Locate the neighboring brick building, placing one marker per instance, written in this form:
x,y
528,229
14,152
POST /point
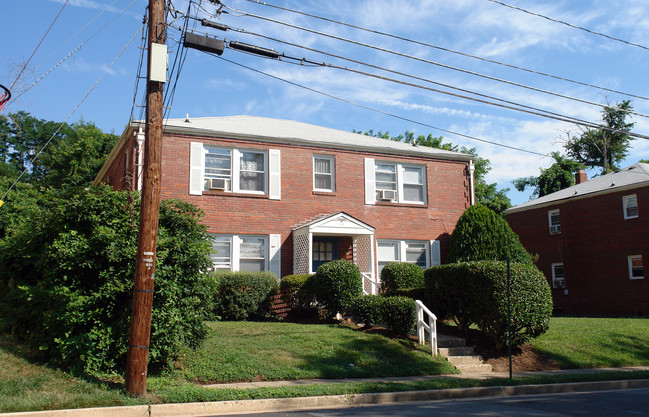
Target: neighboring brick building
x,y
591,240
287,196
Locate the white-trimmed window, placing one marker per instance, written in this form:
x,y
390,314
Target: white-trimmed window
x,y
324,173
234,170
554,221
558,276
246,253
394,182
636,268
412,251
630,204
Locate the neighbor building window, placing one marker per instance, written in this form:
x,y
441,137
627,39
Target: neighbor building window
x,y
554,221
411,251
558,276
323,173
636,268
399,182
630,204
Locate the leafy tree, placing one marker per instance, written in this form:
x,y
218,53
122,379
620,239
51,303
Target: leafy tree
x,y
482,235
72,157
485,193
558,176
604,148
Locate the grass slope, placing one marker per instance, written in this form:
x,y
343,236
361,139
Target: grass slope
x,y
252,351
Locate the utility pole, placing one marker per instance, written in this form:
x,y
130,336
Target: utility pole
x,y
138,350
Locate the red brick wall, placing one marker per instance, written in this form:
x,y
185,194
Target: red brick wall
x,y
227,213
593,245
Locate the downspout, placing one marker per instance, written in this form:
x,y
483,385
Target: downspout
x,y
140,158
471,182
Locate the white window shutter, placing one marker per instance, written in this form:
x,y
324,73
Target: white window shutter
x,y
370,189
274,174
435,253
274,254
196,168
236,252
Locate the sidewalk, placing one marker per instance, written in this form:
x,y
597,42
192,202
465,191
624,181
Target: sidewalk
x,y
351,400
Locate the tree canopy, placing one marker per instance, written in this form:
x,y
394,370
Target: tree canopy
x,y
485,193
604,148
560,175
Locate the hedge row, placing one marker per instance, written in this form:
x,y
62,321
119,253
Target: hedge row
x,y
398,313
242,295
476,292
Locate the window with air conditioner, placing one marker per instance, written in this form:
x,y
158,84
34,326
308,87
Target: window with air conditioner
x,y
558,276
234,170
630,205
554,221
394,182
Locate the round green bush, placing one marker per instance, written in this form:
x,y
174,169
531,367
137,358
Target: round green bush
x,y
399,314
482,235
476,292
400,275
367,309
337,283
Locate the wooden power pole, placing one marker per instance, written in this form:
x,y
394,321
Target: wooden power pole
x,y
138,350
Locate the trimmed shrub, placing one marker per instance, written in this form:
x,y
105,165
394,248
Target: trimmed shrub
x,y
418,293
337,283
398,275
482,235
399,314
476,292
298,292
244,295
368,309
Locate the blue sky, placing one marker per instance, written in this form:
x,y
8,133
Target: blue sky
x,y
209,86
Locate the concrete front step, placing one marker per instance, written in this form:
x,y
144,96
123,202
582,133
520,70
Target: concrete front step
x,y
482,367
464,360
456,351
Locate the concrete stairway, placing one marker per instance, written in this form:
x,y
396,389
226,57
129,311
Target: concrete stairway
x,y
455,350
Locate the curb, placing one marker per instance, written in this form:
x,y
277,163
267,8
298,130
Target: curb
x,y
333,401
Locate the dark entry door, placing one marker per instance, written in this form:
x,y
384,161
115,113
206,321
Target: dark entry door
x,y
325,249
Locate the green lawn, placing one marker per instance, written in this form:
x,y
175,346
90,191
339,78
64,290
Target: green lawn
x,y
596,342
236,351
249,351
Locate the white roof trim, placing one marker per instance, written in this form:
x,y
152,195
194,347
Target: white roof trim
x,y
338,224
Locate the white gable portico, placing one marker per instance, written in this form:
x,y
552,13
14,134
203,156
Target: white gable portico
x,y
323,239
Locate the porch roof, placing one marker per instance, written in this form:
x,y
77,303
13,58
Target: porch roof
x,y
337,224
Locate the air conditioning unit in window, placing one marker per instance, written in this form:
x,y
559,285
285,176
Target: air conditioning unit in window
x,y
219,183
559,283
387,195
555,229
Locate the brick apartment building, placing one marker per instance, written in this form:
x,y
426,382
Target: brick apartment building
x,y
287,196
591,239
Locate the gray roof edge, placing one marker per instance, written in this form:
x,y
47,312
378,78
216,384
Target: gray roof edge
x,y
420,151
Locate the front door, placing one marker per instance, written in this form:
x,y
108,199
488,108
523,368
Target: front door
x,y
325,249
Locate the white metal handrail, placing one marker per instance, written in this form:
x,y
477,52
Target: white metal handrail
x,y
423,327
374,287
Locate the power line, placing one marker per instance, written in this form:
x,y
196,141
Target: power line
x,y
39,44
379,111
411,56
448,50
569,24
31,162
73,51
